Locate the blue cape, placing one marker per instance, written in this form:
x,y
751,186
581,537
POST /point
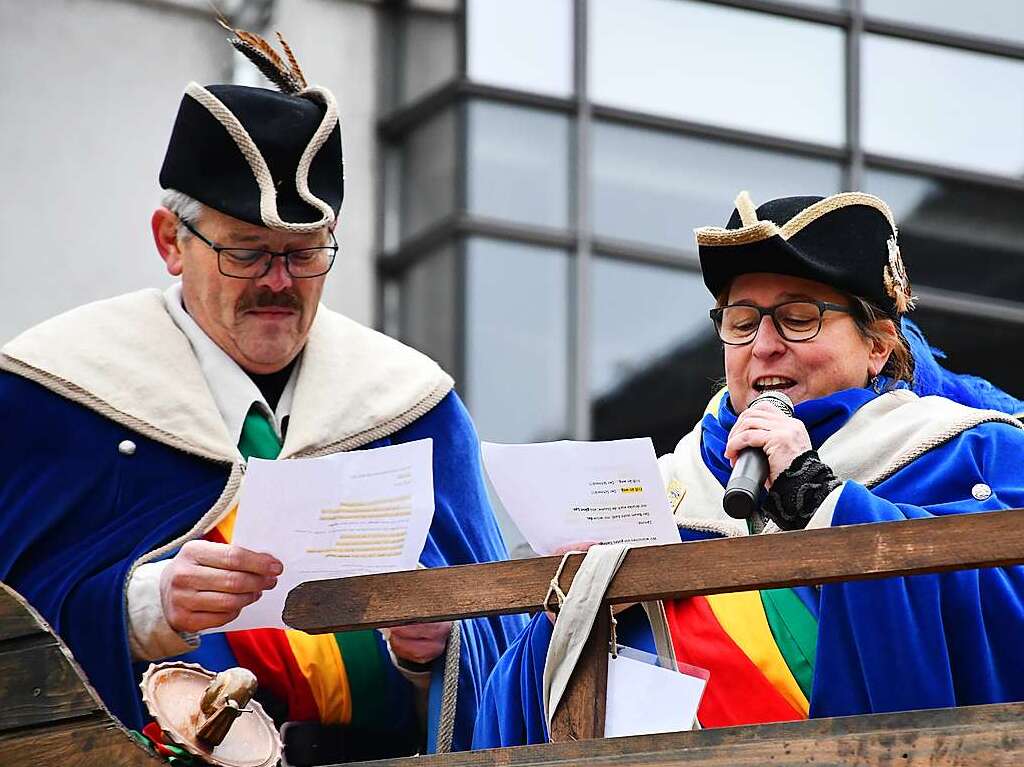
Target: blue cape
x,y
887,645
75,514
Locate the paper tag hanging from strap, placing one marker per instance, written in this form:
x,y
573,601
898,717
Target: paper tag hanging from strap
x,y
645,696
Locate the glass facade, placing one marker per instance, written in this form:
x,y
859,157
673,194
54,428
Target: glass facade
x,y
947,107
957,235
516,331
656,187
655,359
544,173
526,44
517,164
429,173
708,63
994,19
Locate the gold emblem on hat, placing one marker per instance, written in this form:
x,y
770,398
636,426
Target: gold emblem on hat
x,y
897,284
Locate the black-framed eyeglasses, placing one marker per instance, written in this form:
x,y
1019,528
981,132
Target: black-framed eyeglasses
x,y
737,324
250,263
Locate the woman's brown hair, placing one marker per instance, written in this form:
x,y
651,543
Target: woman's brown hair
x,y
867,316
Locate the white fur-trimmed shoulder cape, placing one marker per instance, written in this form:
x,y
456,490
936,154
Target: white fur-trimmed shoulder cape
x,y
125,358
881,438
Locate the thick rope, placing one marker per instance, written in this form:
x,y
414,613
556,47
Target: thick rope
x,y
323,133
449,691
554,587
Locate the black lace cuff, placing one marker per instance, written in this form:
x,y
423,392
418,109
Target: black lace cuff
x,y
798,491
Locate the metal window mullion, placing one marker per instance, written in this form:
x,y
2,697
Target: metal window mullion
x,y
942,172
854,34
972,305
713,132
461,308
788,10
579,330
945,38
462,40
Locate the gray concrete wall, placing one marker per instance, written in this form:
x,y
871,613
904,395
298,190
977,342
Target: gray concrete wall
x,y
336,42
87,100
89,93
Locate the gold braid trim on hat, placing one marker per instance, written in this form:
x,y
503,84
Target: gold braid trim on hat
x,y
894,274
716,235
746,208
813,212
751,229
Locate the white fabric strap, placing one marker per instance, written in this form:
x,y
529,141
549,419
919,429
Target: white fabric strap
x,y
658,619
576,619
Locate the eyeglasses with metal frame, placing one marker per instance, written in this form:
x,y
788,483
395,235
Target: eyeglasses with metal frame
x,y
796,321
250,263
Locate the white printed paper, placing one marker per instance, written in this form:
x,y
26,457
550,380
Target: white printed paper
x,y
644,699
561,493
365,511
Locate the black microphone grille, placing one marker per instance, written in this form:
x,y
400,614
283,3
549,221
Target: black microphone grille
x,y
776,399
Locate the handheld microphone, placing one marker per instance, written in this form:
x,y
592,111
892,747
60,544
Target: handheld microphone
x,y
751,468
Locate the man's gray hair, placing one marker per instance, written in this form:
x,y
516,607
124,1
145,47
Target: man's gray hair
x,y
186,208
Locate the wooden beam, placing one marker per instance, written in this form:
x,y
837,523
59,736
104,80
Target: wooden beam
x,y
17,619
709,567
580,714
49,714
39,686
973,736
89,742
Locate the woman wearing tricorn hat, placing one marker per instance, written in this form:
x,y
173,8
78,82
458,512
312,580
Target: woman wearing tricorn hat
x,y
811,295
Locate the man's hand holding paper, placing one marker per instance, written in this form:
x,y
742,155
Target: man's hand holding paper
x,y
207,584
344,514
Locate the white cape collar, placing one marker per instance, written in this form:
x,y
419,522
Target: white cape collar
x,y
881,438
125,358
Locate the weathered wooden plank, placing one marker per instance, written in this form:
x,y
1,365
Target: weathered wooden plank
x,y
709,567
974,736
16,618
49,713
89,742
580,714
39,685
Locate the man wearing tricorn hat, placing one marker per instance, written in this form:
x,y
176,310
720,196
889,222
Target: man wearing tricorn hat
x,y
129,422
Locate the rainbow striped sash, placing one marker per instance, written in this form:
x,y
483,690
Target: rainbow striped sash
x,y
759,648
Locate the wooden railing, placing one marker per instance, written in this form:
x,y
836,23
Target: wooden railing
x,y
48,715
983,735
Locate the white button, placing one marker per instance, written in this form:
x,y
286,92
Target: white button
x,y
127,447
981,491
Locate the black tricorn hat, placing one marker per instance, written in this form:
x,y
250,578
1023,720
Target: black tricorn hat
x,y
847,241
267,157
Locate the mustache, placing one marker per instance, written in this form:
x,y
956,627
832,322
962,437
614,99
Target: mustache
x,y
267,298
